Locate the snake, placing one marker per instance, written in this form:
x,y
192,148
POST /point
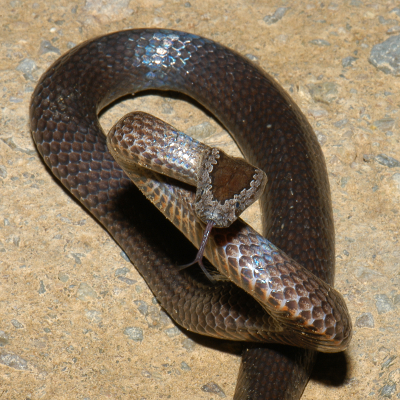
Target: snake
x,y
273,135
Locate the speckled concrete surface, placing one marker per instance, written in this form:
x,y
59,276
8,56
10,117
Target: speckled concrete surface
x,y
77,320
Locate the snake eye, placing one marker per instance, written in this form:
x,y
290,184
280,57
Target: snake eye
x,y
237,205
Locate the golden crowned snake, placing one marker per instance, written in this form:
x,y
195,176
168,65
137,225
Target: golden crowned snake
x,y
292,280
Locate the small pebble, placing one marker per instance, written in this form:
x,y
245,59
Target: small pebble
x,y
276,16
141,306
75,256
13,361
344,181
185,367
324,92
365,320
171,332
121,271
27,66
63,277
17,324
85,292
388,390
387,161
384,124
93,315
320,42
156,318
388,362
188,344
348,61
127,280
134,333
42,288
251,57
383,303
47,47
212,387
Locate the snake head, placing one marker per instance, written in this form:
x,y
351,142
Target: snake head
x,y
226,187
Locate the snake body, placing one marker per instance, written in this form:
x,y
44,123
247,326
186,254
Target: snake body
x,y
270,130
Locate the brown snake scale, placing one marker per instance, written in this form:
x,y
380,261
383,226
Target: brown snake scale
x,y
274,136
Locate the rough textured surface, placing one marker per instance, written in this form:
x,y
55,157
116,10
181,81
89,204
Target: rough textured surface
x,y
75,312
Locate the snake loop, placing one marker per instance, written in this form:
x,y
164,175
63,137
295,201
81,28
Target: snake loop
x,y
273,135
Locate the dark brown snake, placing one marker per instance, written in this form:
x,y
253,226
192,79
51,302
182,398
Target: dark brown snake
x,y
273,135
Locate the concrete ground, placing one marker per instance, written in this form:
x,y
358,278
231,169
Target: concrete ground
x,y
76,319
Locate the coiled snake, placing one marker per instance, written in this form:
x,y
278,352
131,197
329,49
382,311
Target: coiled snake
x,y
273,135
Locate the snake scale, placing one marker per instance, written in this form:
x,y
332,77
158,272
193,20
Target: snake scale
x,y
273,135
